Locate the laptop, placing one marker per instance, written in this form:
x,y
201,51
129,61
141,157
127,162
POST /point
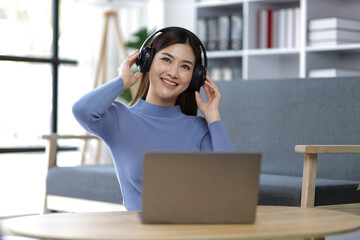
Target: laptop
x,y
200,188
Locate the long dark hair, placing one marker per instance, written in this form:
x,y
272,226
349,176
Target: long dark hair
x,y
186,100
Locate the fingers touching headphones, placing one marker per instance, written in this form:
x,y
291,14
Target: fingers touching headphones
x,y
210,107
125,72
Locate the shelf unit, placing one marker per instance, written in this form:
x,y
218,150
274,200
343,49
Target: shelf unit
x,y
274,63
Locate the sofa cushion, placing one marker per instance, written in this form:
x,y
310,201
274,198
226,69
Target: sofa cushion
x,y
93,182
272,116
286,191
99,182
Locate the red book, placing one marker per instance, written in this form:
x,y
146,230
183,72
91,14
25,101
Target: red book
x,y
269,28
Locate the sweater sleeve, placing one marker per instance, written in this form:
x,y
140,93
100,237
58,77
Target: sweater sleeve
x,y
94,110
217,139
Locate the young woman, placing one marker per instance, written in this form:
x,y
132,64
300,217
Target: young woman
x,y
162,116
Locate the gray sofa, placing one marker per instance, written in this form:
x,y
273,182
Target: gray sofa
x,y
270,117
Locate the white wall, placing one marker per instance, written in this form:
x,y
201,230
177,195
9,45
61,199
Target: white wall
x,y
180,13
153,14
163,13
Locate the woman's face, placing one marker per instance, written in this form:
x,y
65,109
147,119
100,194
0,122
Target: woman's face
x,y
170,74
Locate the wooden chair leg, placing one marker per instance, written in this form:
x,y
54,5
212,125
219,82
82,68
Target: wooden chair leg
x,y
309,180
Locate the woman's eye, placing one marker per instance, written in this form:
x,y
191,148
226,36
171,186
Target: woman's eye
x,y
186,67
165,59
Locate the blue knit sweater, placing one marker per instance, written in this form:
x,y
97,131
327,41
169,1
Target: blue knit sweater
x,y
130,132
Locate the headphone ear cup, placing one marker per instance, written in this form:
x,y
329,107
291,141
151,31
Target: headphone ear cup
x,y
198,77
143,61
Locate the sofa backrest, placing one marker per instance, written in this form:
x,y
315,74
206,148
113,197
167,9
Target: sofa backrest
x,y
272,116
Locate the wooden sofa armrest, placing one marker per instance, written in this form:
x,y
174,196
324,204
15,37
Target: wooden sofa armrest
x,y
310,163
52,148
327,149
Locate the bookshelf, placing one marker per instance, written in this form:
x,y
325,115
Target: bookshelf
x,y
294,57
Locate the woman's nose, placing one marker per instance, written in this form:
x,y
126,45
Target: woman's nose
x,y
173,71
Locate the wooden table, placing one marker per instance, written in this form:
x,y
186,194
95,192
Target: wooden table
x,y
353,208
271,223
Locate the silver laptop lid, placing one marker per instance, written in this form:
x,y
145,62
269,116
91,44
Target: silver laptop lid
x,y
200,187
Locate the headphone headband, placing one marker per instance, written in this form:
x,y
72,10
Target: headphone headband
x,y
203,50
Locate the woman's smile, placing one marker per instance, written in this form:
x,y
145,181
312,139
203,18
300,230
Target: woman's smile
x,y
169,83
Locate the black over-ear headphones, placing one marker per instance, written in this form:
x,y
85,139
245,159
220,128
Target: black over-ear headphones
x,y
147,53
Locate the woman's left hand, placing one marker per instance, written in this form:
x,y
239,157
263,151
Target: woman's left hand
x,y
209,108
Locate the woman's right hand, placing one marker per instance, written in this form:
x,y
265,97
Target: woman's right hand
x,y
125,72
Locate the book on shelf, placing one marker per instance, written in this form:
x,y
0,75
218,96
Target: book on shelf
x,y
202,30
334,34
213,35
298,27
282,25
330,43
265,28
334,23
224,32
221,33
275,29
333,72
215,73
236,32
278,28
226,73
294,16
289,32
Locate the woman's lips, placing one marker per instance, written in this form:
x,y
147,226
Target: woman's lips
x,y
169,83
